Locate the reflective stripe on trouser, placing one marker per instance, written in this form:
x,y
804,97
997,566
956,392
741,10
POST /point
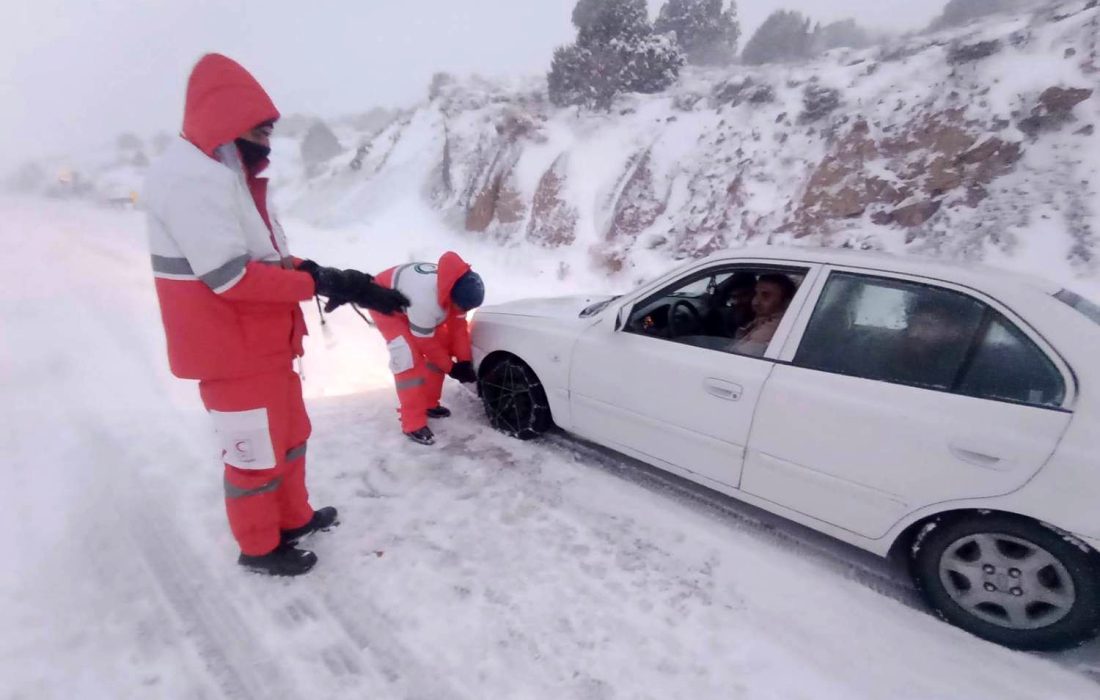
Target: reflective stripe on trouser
x,y
412,395
433,385
233,491
261,502
414,386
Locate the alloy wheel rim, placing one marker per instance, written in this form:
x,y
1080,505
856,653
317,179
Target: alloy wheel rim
x,y
1007,581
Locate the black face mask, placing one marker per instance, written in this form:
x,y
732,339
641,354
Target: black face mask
x,y
252,154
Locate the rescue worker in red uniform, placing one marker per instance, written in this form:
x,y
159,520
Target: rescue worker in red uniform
x,y
229,294
431,339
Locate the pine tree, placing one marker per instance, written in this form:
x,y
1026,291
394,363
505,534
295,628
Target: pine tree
x,y
784,36
616,51
570,76
843,34
706,30
600,21
650,64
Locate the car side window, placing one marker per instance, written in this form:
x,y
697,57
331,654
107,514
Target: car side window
x,y
928,337
1008,366
733,309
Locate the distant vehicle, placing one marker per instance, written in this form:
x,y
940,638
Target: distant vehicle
x,y
945,414
69,183
121,198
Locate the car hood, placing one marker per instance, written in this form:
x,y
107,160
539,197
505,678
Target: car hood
x,y
564,308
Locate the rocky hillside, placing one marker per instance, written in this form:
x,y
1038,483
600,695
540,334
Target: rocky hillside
x,y
977,143
974,143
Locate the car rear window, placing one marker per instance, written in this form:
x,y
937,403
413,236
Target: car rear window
x,y
1086,307
926,337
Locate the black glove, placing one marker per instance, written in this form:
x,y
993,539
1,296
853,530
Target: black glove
x,y
463,372
334,303
376,297
327,281
347,286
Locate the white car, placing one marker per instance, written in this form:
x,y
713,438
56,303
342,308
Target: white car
x,y
942,413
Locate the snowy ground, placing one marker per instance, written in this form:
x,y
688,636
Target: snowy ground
x,y
481,568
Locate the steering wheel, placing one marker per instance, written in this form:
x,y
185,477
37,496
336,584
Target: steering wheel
x,y
674,329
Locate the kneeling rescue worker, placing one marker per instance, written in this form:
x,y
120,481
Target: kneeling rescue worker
x,y
229,295
432,339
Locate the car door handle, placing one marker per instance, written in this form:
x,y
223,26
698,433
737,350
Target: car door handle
x,y
975,457
727,391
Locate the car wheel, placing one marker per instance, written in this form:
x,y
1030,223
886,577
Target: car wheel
x,y
1010,580
514,399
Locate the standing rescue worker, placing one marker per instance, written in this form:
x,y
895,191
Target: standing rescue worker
x,y
432,339
229,298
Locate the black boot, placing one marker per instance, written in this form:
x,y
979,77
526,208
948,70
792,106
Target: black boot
x,y
284,560
439,411
323,520
424,436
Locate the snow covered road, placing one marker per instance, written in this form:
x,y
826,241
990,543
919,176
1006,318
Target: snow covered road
x,y
481,568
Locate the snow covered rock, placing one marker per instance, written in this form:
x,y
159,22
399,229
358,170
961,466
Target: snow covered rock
x,y
896,147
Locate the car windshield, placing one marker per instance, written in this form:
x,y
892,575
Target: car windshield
x,y
1086,307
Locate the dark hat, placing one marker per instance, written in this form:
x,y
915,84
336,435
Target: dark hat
x,y
468,292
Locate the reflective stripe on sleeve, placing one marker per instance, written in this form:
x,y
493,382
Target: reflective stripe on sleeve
x,y
222,279
172,268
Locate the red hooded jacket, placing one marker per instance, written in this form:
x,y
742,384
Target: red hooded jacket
x,y
229,297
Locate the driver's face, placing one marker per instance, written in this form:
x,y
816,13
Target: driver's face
x,y
768,299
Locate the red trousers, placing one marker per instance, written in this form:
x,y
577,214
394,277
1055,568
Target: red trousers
x,y
419,382
262,427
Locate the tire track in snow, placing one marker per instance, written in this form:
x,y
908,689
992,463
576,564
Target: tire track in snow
x,y
862,568
715,504
365,624
235,656
875,575
360,652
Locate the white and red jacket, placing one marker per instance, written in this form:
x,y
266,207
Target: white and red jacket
x,y
428,288
229,296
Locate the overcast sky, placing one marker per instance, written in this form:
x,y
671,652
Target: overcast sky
x,y
79,72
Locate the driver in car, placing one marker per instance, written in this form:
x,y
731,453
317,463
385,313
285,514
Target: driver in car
x,y
730,307
774,293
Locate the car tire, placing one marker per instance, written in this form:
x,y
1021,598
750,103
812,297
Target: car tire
x,y
514,399
1010,580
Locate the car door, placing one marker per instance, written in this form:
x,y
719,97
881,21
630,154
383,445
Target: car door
x,y
882,409
673,404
